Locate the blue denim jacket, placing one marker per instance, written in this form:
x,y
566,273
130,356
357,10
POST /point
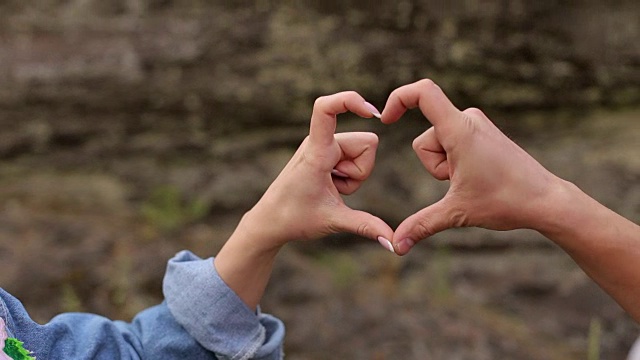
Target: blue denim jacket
x,y
201,318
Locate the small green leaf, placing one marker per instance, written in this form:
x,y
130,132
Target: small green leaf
x,y
15,350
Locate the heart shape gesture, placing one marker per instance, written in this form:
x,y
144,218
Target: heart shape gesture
x,y
494,183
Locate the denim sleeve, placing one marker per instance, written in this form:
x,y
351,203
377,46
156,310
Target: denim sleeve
x,y
215,316
153,334
205,321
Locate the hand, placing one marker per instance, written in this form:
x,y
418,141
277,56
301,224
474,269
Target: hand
x,y
304,202
494,183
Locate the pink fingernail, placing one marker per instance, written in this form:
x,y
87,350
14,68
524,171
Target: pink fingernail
x,y
339,173
373,110
386,243
405,245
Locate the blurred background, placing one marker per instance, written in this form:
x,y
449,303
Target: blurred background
x,y
132,129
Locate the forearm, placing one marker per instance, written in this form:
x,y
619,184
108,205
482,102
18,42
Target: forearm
x,y
246,260
603,243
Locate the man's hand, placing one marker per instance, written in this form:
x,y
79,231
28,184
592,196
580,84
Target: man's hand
x,y
495,184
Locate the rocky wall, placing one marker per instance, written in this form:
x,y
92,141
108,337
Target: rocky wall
x,y
263,62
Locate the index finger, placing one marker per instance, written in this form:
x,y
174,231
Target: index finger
x,y
424,94
326,108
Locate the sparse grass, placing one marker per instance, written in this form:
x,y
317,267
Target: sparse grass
x,y
70,300
595,336
344,270
121,282
168,210
441,273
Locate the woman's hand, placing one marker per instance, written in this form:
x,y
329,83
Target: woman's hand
x,y
305,201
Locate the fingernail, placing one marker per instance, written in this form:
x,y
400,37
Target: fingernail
x,y
386,243
339,173
373,110
405,245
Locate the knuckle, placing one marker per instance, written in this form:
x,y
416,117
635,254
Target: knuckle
x,y
362,229
474,112
470,123
424,228
319,102
372,140
416,144
427,84
351,97
394,94
459,219
351,94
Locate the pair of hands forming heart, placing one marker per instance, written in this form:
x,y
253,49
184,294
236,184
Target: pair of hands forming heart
x,y
493,182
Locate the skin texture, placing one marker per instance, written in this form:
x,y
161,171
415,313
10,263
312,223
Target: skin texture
x,y
304,202
496,185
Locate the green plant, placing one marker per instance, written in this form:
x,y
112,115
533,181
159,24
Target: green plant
x,y
167,209
595,336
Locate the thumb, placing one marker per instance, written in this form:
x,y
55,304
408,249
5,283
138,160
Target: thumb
x,y
363,224
423,224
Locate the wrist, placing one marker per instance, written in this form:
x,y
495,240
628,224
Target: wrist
x,y
246,260
257,230
560,211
